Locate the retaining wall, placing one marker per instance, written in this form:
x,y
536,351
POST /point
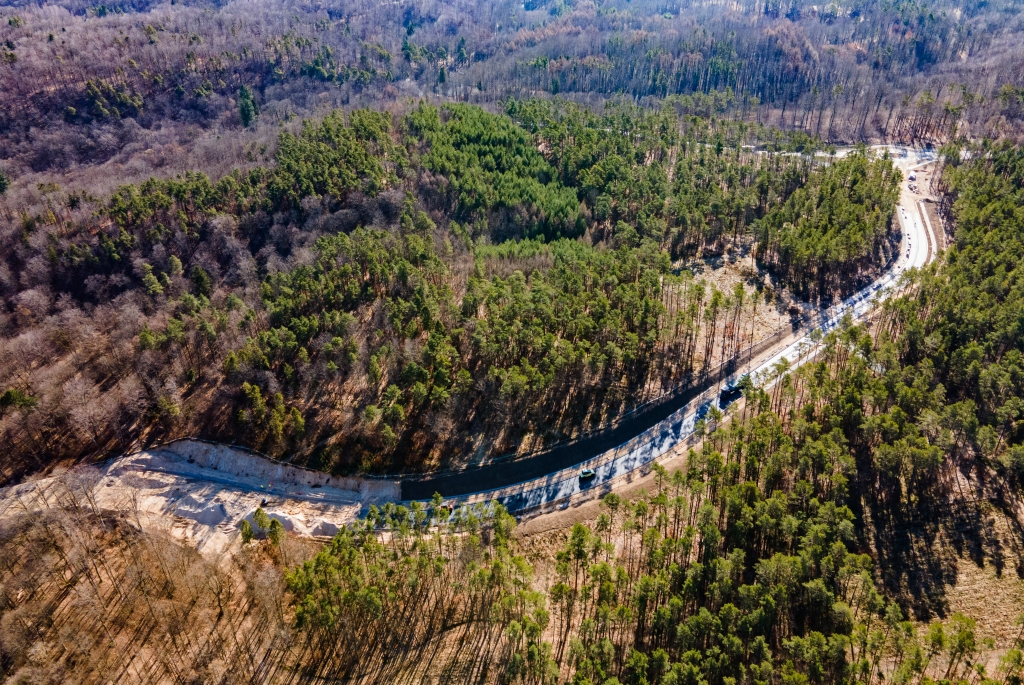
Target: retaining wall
x,y
250,465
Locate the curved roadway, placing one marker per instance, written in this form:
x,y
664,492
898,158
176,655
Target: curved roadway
x,y
917,248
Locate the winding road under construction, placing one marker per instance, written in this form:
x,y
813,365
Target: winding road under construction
x,y
551,479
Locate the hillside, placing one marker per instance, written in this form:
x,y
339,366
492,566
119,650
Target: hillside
x,y
725,299
390,291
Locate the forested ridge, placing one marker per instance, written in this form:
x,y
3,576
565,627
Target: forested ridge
x,y
88,83
395,289
784,550
827,231
377,237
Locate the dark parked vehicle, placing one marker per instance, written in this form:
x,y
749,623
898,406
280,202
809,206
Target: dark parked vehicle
x,y
731,391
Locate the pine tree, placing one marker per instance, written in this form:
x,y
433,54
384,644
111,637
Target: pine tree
x,y
248,110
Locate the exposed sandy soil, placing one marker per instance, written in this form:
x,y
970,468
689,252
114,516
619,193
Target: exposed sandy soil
x,y
735,267
201,493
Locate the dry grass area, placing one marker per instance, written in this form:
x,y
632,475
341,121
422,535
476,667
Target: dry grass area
x,y
737,328
991,592
965,557
937,223
737,266
86,596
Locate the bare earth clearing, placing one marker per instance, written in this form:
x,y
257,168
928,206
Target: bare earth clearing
x,y
200,493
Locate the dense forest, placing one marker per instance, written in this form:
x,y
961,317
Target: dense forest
x,y
391,289
747,566
397,238
342,232
743,566
160,87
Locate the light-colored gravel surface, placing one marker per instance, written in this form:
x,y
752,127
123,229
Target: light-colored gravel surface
x,y
201,493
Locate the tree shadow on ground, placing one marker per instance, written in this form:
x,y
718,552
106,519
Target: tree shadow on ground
x,y
919,549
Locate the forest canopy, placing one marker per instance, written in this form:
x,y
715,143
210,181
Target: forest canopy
x,y
742,566
391,289
422,239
